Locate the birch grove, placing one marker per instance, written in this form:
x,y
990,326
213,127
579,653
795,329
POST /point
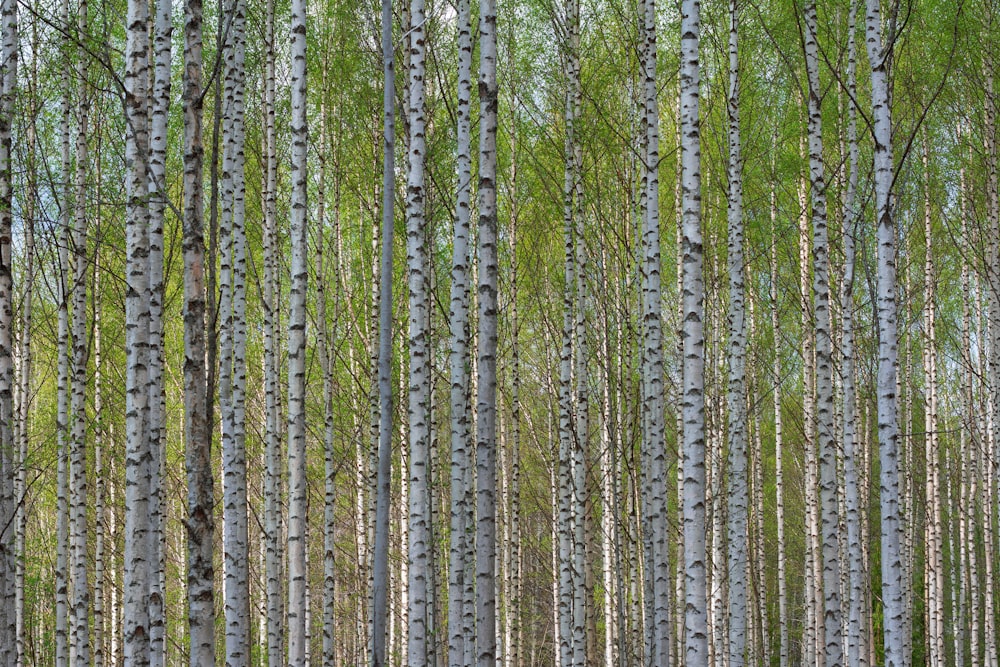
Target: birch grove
x,y
670,340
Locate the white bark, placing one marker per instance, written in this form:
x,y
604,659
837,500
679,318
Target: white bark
x,y
829,592
323,343
197,425
273,563
487,342
779,486
159,110
138,458
419,534
24,405
653,424
232,343
8,463
894,627
460,632
80,640
62,629
933,559
856,634
384,407
737,491
100,490
297,487
693,343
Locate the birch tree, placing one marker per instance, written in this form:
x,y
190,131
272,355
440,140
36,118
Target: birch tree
x,y
272,476
738,496
654,440
8,501
297,489
62,611
459,631
78,416
232,343
197,401
420,561
894,627
692,343
24,406
384,415
855,652
832,648
779,479
159,112
138,487
487,342
934,558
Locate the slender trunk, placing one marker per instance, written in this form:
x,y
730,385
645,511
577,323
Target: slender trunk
x,y
737,491
323,343
856,653
894,628
812,633
567,447
693,343
385,408
272,454
487,342
779,486
62,630
78,418
419,559
654,437
99,478
827,469
138,457
159,112
24,406
232,343
8,501
297,488
459,632
934,560
197,422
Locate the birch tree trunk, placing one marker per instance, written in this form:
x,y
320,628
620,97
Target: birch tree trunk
x,y
487,342
779,479
273,562
99,474
934,559
459,632
894,627
419,544
693,343
856,653
323,344
197,422
159,111
8,501
138,457
567,448
62,578
24,406
78,418
830,592
297,488
232,343
737,492
385,408
654,439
